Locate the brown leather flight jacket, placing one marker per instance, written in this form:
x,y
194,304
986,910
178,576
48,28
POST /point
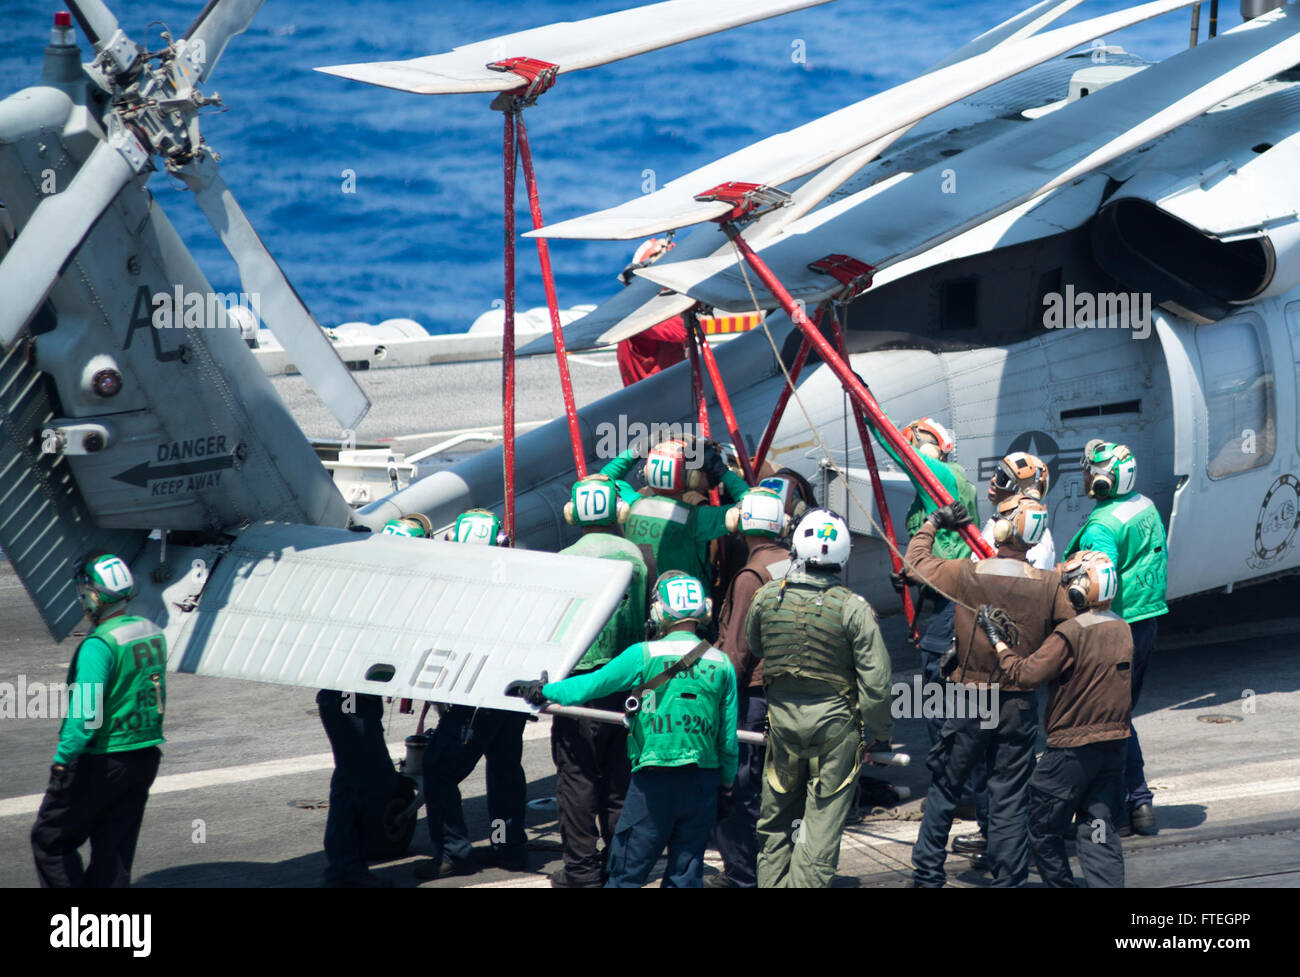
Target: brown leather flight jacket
x,y
1088,661
1033,598
766,562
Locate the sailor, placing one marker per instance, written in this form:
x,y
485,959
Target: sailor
x,y
360,788
1018,473
591,761
934,444
673,533
762,520
662,345
108,755
462,737
827,677
683,736
1125,525
998,719
1087,661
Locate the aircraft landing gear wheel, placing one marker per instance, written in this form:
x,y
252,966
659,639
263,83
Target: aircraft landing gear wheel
x,y
394,834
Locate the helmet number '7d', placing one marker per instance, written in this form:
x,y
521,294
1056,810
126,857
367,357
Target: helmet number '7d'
x,y
593,502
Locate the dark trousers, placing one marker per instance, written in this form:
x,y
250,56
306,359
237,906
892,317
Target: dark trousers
x,y
736,836
363,779
103,801
1080,784
1010,747
666,806
591,777
1136,791
462,738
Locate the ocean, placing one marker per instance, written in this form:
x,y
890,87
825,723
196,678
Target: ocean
x,y
383,204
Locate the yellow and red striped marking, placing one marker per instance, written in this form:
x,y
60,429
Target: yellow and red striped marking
x,y
723,324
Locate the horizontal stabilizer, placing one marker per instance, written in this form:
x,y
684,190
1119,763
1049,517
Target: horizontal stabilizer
x,y
447,622
571,45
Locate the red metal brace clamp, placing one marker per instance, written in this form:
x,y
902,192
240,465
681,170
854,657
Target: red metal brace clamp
x,y
853,274
746,199
538,77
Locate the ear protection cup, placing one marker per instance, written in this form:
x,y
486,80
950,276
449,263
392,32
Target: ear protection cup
x,y
621,511
1078,596
569,514
733,519
1001,531
929,450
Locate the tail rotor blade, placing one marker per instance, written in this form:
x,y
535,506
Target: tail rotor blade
x,y
215,25
56,229
284,312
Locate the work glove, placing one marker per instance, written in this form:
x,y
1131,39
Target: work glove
x,y
984,618
715,466
60,775
899,581
952,516
529,691
725,803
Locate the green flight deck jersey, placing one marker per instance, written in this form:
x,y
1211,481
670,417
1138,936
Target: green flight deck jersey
x,y
627,625
948,543
126,657
1128,529
673,534
690,719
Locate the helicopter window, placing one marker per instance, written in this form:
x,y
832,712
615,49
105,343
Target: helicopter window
x,y
958,303
1238,397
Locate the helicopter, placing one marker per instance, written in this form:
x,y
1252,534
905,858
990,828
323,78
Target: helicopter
x,y
977,226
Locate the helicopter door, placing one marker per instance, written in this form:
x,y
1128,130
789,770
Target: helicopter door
x,y
1225,450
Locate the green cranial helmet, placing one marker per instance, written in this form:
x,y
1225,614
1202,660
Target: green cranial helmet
x,y
593,501
1109,469
416,526
477,526
104,581
678,597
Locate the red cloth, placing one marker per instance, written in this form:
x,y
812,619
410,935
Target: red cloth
x,y
658,348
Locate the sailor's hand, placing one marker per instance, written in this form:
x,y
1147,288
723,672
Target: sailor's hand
x,y
725,803
529,691
715,466
984,618
952,516
59,777
899,581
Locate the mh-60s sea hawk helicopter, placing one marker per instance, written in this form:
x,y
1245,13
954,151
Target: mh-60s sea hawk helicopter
x,y
1101,175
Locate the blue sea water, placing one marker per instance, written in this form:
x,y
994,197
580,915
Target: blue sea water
x,y
421,236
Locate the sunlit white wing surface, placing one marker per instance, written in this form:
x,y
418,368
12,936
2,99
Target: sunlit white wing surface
x,y
778,159
643,304
448,622
572,45
998,175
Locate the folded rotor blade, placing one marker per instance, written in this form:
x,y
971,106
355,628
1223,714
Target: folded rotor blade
x,y
571,45
643,303
279,305
215,25
784,157
1022,25
1005,172
50,238
95,20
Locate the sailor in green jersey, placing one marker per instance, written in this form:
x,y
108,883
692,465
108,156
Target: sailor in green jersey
x,y
682,744
1126,526
591,763
672,533
108,753
827,675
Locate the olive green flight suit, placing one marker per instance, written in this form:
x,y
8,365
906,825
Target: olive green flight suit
x,y
827,675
